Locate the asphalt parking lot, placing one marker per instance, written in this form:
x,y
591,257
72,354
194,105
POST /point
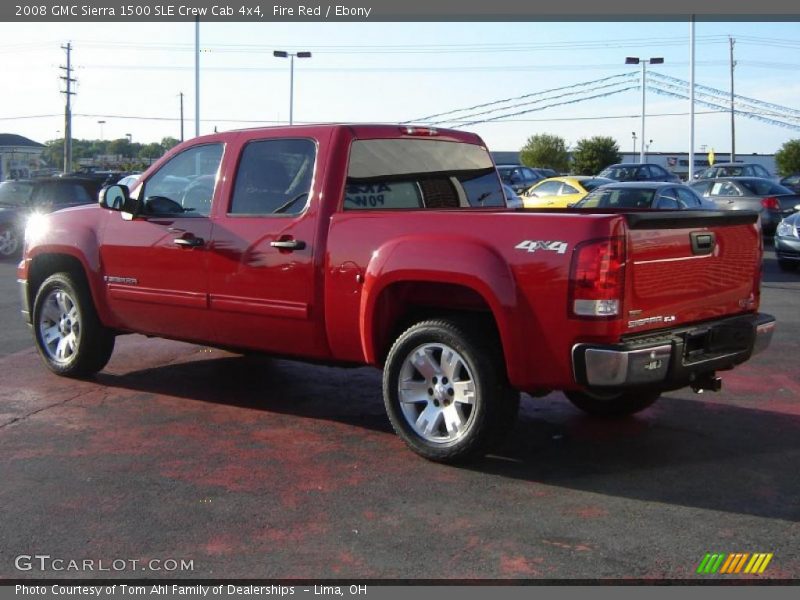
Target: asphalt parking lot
x,y
263,468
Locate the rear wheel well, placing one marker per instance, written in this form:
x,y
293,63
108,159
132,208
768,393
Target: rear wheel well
x,y
404,304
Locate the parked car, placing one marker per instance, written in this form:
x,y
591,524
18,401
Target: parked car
x,y
792,182
638,172
393,247
512,199
787,242
545,172
518,177
736,169
771,200
22,198
645,194
559,192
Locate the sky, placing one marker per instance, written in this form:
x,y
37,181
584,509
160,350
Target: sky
x,y
130,76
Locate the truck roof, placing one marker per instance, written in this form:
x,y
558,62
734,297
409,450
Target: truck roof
x,y
361,131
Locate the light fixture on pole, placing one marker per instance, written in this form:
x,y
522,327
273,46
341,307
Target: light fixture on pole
x,y
130,137
101,123
634,60
633,135
291,55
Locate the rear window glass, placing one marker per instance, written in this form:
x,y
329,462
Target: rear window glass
x,y
411,173
590,184
618,198
15,193
763,188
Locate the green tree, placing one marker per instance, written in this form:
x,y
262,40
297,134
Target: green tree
x,y
594,154
168,143
787,159
544,150
152,150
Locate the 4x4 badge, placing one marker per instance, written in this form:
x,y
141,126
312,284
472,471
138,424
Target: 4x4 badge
x,y
533,246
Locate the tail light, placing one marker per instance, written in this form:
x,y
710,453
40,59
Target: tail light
x,y
771,203
597,279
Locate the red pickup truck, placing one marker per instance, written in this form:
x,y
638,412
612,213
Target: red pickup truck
x,y
392,246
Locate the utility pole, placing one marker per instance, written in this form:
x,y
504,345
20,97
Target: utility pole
x,y
691,99
181,95
68,109
197,77
733,113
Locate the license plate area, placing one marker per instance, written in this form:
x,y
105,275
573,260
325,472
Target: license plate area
x,y
715,341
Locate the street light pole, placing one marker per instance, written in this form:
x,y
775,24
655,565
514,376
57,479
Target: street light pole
x,y
633,135
290,56
634,60
644,96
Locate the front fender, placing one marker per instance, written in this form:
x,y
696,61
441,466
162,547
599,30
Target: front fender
x,y
451,259
54,236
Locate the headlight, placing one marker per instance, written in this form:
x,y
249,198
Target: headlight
x,y
786,229
36,226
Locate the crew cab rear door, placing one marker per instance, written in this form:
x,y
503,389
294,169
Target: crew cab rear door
x,y
262,276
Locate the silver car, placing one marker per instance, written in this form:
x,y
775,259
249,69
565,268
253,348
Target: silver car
x,y
772,200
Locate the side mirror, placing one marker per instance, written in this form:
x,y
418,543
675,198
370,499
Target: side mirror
x,y
116,197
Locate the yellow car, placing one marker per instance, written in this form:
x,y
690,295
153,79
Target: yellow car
x,y
558,192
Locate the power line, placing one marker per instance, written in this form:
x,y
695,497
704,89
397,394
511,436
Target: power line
x,y
530,110
514,98
537,101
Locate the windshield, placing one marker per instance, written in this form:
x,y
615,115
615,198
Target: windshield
x,y
15,193
764,188
413,173
618,198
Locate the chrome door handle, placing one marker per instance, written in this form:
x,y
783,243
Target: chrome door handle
x,y
189,242
288,244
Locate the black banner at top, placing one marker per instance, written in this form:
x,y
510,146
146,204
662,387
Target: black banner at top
x,y
392,10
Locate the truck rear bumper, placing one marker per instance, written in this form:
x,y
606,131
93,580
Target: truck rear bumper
x,y
675,358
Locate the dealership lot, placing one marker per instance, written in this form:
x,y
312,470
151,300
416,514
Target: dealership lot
x,y
256,467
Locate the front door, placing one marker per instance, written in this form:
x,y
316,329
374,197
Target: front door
x,y
155,263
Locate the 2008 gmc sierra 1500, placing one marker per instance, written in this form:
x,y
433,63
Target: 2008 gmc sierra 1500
x,y
391,246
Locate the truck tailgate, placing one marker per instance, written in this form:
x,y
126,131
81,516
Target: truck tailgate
x,y
685,267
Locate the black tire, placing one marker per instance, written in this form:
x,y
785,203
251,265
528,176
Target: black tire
x,y
91,345
476,356
612,405
787,265
10,241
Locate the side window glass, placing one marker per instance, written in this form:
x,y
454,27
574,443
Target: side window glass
x,y
548,188
274,177
185,184
687,199
567,189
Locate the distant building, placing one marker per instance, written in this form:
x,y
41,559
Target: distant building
x,y
19,156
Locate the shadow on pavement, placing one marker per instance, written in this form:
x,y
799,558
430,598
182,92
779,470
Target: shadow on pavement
x,y
688,452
